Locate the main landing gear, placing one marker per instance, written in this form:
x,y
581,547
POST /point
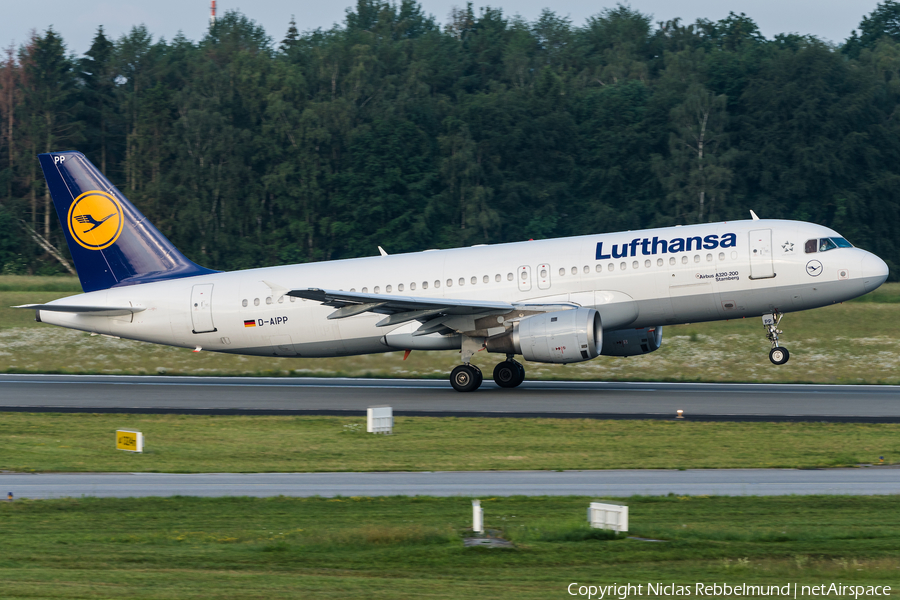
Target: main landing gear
x,y
468,377
777,354
509,373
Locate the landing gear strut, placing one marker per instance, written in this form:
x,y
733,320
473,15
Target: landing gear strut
x,y
777,355
509,373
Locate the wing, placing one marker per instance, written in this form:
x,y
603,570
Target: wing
x,y
472,317
93,311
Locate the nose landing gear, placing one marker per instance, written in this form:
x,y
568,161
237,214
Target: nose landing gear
x,y
777,355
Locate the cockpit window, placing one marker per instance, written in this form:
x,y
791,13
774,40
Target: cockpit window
x,y
825,244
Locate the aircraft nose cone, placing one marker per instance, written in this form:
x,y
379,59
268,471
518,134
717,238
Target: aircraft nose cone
x,y
875,271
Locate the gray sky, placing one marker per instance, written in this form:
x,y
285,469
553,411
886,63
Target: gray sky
x,y
77,21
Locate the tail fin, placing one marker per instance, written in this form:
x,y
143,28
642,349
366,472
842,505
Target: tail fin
x,y
112,243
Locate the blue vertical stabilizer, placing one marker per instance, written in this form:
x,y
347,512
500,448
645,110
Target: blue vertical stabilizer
x,y
111,242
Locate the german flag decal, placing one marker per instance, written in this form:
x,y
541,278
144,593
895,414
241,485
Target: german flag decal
x,y
250,323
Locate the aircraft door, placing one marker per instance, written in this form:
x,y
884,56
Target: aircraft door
x,y
201,308
524,278
543,277
761,259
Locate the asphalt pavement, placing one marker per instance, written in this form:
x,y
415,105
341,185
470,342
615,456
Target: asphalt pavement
x,y
613,483
562,399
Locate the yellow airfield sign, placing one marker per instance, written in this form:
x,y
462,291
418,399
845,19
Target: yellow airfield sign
x,y
130,441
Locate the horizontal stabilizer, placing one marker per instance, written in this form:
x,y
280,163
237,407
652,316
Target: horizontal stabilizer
x,y
93,311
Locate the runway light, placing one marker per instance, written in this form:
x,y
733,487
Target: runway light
x,y
680,414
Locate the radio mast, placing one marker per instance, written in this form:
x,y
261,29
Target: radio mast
x,y
212,13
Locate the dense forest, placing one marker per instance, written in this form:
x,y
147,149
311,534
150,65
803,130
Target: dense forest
x,y
395,130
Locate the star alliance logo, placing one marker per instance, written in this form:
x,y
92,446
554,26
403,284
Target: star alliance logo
x,y
788,246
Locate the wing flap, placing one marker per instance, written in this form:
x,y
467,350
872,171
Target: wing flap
x,y
390,305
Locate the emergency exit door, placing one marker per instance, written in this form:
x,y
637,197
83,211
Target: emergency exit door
x,y
761,260
524,277
201,308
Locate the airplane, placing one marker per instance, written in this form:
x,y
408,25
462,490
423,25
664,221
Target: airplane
x,y
564,300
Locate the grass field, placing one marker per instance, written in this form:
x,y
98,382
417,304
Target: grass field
x,y
856,342
182,443
402,547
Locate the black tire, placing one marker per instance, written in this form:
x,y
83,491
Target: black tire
x,y
478,374
521,372
465,378
507,374
779,355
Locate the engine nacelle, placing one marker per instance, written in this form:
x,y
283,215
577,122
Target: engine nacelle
x,y
565,336
632,342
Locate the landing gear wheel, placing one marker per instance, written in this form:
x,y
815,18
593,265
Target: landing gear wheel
x,y
478,374
466,378
509,374
779,355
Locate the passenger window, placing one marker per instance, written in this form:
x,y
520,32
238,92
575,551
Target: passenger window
x,y
509,276
811,246
659,262
599,268
437,283
587,269
671,260
733,255
635,265
365,290
268,299
293,299
696,258
611,267
377,289
412,286
623,266
281,300
524,275
388,289
474,280
353,289
721,256
399,287
485,279
709,257
424,285
543,273
562,272
647,264
684,260
449,283
574,270
497,277
462,281
244,303
256,302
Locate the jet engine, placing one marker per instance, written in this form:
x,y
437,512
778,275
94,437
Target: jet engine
x,y
564,336
632,342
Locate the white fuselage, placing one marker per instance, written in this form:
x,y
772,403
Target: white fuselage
x,y
645,287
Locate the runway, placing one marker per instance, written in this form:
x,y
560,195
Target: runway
x,y
727,482
555,399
